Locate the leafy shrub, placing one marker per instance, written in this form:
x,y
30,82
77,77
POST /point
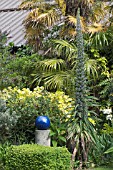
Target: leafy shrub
x,y
16,64
8,119
34,157
97,155
16,71
108,129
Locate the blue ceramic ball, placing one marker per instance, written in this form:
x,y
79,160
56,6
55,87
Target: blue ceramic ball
x,y
42,122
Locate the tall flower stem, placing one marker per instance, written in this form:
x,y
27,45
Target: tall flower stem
x,y
80,85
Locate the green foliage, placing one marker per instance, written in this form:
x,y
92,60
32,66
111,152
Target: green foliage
x,y
109,150
107,129
22,51
58,73
106,92
58,133
33,157
16,71
66,48
8,119
96,154
3,149
16,64
29,104
100,39
3,40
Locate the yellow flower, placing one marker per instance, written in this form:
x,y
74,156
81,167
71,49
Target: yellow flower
x,y
92,121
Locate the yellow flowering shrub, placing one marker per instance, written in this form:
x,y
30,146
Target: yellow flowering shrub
x,y
64,102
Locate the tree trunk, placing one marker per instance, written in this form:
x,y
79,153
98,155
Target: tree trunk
x,y
71,7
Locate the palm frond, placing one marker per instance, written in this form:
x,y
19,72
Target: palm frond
x,y
91,68
100,39
62,5
58,80
31,4
51,65
89,2
96,27
36,17
49,18
69,48
98,13
73,21
109,150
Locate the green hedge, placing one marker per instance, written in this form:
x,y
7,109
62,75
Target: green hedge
x,y
35,157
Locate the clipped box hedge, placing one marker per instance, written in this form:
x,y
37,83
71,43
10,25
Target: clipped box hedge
x,y
35,157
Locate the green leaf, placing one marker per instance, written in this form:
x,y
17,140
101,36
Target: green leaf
x,y
109,150
62,138
54,143
52,133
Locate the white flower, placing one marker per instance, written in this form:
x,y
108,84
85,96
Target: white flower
x,y
107,111
109,117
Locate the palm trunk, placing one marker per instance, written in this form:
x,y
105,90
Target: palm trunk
x,y
71,7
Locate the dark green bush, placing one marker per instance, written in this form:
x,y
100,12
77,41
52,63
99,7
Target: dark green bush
x,y
35,157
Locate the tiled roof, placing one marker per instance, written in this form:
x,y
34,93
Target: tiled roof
x,y
11,20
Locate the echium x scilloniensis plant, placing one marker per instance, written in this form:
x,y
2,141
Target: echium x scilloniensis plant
x,y
81,131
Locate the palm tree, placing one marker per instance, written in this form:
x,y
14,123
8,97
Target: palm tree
x,y
44,16
40,20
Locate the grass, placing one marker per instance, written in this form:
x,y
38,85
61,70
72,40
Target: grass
x,y
102,168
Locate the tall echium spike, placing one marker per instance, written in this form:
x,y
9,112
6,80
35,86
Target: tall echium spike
x,y
80,81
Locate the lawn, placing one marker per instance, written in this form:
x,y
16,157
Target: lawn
x,y
103,168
